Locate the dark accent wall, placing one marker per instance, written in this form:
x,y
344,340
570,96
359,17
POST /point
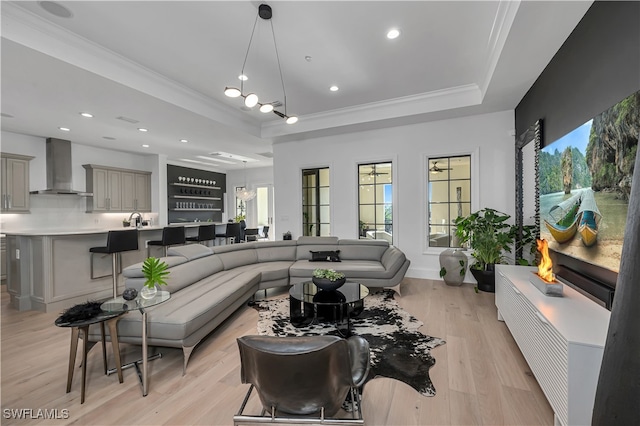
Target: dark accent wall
x,y
597,66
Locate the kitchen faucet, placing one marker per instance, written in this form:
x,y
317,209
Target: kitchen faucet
x,y
138,219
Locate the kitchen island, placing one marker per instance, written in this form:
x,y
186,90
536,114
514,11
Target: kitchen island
x,y
50,270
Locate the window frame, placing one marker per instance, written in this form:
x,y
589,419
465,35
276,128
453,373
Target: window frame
x,y
318,224
393,203
475,190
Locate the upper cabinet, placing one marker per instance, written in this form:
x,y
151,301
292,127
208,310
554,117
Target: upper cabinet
x,y
15,183
116,190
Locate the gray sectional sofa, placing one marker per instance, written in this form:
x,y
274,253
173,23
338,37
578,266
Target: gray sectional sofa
x,y
207,284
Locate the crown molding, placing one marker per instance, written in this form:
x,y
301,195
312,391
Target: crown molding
x,y
438,100
505,15
25,28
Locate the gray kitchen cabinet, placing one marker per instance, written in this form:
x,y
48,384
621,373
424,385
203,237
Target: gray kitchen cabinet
x,y
15,183
117,190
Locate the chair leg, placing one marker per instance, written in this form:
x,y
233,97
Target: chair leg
x,y
186,353
104,348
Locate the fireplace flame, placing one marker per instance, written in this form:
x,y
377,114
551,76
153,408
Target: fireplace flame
x,y
545,267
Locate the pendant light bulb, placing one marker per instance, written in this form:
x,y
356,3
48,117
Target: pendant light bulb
x,y
232,92
251,100
266,108
292,120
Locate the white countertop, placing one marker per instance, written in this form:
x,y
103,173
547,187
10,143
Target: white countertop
x,y
88,231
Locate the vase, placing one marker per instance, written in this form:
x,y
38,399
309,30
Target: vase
x,y
148,292
454,262
486,278
328,285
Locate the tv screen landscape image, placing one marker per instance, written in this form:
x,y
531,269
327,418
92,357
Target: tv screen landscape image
x,y
585,182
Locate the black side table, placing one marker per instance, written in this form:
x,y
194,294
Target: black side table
x,y
111,319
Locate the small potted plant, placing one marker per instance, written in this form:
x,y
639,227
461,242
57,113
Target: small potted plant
x,y
155,272
328,279
126,223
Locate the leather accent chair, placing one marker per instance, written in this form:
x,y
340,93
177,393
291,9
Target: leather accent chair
x,y
303,379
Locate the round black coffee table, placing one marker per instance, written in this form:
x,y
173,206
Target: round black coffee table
x,y
310,305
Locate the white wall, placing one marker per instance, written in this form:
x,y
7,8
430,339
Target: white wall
x,y
62,211
487,137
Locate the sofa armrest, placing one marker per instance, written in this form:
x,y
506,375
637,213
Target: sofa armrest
x,y
392,259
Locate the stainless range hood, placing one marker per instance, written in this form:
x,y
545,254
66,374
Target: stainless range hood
x,y
59,169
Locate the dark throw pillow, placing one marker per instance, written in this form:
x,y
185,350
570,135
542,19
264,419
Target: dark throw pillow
x,y
325,256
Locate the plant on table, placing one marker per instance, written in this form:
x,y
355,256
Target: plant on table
x,y
155,272
328,274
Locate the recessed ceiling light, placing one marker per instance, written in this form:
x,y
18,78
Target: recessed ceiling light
x,y
394,33
243,77
184,140
142,129
56,9
64,129
86,115
334,88
145,146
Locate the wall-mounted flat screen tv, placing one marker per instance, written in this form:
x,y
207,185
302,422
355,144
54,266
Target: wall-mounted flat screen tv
x,y
585,182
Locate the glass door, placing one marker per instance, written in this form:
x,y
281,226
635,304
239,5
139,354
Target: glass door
x,y
264,209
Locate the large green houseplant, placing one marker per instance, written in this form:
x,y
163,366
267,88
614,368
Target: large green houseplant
x,y
489,236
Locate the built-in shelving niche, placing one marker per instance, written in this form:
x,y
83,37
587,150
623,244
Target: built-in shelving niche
x,y
192,194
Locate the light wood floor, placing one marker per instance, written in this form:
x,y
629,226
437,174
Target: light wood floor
x,y
480,376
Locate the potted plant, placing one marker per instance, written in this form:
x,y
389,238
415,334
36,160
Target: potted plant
x,y
363,229
126,223
328,279
155,272
489,236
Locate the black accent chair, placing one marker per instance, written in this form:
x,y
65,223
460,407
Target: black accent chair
x,y
233,233
221,231
171,236
303,379
117,242
205,233
251,234
243,226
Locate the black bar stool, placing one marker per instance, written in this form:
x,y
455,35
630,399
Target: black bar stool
x,y
171,236
250,234
117,242
221,231
234,233
265,232
205,233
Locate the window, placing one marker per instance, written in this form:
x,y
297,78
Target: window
x,y
241,206
315,202
375,201
449,197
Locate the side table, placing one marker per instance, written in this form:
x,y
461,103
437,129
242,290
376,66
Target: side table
x,y
82,326
119,305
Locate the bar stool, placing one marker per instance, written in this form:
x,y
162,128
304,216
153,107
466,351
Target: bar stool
x,y
251,234
205,233
81,327
265,232
171,236
221,231
117,242
234,233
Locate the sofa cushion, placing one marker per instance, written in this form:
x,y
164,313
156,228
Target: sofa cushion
x,y
351,268
308,244
362,249
184,275
191,308
271,271
190,251
233,259
269,252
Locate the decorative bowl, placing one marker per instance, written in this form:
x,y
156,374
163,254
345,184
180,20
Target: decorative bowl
x,y
328,285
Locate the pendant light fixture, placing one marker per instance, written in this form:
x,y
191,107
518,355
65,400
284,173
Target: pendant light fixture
x,y
251,99
245,194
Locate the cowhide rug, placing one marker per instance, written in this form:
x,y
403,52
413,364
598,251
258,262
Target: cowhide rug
x,y
398,350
